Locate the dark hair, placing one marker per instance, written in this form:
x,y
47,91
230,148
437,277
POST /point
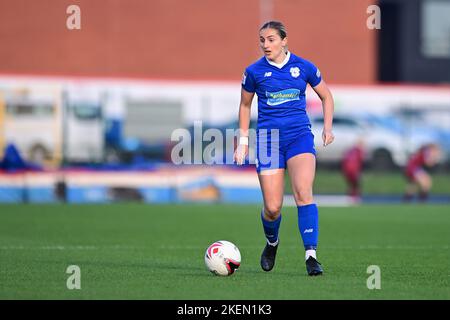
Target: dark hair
x,y
281,29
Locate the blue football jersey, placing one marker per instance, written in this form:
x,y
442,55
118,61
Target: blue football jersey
x,y
281,93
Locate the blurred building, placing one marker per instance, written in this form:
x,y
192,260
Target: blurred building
x,y
414,41
202,39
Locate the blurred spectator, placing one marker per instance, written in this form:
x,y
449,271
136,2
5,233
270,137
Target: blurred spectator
x,y
352,165
418,178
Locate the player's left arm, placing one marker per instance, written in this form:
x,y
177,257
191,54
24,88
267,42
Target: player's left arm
x,y
325,95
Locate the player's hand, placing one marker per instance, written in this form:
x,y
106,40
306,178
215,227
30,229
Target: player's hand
x,y
327,137
240,153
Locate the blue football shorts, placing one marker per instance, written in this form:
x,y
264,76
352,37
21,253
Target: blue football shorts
x,y
274,154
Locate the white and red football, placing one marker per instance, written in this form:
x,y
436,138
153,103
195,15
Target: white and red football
x,y
222,258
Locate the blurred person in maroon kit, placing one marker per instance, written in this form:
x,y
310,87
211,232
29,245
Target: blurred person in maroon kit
x,y
418,179
352,165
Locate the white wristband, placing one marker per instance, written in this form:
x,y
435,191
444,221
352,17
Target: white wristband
x,y
243,140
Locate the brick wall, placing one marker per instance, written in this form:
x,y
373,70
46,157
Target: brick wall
x,y
181,39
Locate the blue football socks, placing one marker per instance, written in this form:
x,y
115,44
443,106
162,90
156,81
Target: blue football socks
x,y
308,225
271,228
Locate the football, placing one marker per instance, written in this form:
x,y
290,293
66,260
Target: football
x,y
222,258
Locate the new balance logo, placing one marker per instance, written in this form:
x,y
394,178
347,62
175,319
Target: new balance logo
x,y
267,74
308,230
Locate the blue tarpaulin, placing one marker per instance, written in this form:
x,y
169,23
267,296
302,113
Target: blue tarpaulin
x,y
13,161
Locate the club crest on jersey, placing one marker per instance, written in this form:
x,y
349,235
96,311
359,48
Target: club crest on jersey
x,y
295,72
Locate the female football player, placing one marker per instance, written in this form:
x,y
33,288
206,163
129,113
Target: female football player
x,y
284,139
351,167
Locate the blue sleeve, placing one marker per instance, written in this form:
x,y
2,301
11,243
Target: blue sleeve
x,y
248,81
313,74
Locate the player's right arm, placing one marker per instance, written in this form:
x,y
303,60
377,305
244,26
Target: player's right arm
x,y
244,123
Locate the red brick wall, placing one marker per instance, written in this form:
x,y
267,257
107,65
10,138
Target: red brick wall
x,y
334,35
182,39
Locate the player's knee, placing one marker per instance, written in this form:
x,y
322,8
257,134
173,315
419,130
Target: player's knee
x,y
303,196
427,184
272,210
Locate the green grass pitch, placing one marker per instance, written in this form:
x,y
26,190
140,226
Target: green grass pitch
x,y
137,251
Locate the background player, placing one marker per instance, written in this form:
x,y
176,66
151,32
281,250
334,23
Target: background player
x,y
352,165
415,172
279,79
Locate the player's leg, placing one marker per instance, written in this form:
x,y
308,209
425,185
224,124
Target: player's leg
x,y
411,186
351,184
355,182
424,182
410,190
272,187
301,165
301,170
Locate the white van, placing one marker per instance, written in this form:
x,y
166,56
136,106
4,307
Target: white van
x,y
49,128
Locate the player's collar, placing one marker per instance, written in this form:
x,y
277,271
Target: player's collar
x,y
280,65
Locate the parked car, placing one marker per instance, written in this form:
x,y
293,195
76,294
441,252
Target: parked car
x,y
427,120
386,145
